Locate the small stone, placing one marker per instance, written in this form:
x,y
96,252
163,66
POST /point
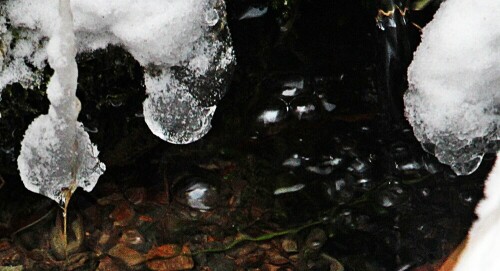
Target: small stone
x,y
289,245
128,255
136,195
110,199
182,261
107,264
275,258
164,251
132,238
122,214
271,267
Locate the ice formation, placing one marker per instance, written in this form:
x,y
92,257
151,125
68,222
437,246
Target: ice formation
x,y
56,152
453,101
483,249
184,46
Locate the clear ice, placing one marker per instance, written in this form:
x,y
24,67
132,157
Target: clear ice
x,y
453,100
56,152
184,44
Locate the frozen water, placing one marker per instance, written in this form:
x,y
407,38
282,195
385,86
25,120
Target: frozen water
x,y
482,249
453,101
188,39
172,113
56,152
52,159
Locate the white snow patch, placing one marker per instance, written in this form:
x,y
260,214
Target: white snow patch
x,y
453,101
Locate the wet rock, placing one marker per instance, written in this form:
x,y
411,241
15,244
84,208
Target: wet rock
x,y
170,258
130,256
110,199
132,238
289,245
219,262
123,214
107,264
136,195
9,255
275,258
78,261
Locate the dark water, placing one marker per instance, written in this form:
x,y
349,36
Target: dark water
x,y
309,127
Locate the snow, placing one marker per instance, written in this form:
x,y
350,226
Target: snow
x,y
453,101
483,249
56,152
161,35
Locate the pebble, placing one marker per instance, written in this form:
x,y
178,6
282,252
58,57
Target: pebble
x,y
129,256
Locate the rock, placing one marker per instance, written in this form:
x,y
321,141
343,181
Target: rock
x,y
122,214
289,245
170,258
129,256
107,264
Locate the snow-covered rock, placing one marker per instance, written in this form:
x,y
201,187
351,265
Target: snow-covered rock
x,y
453,101
184,44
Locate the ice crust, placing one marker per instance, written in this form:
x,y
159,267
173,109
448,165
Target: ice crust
x,y
453,100
56,152
185,40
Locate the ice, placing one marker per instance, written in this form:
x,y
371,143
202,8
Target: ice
x,y
482,249
453,100
172,113
186,39
56,153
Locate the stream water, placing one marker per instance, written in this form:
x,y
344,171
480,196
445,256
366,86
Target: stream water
x,y
310,131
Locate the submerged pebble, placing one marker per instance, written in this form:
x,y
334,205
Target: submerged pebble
x,y
198,194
